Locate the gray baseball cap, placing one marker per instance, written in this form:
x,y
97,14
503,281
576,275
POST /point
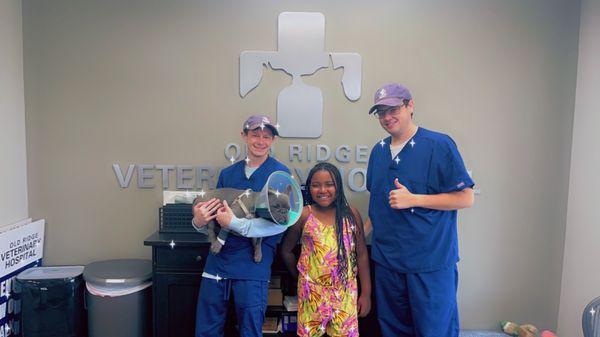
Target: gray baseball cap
x,y
392,94
259,121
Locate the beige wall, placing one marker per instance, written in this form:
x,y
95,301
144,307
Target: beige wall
x,y
581,276
13,161
157,83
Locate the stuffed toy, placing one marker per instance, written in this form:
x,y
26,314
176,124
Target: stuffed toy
x,y
514,329
525,330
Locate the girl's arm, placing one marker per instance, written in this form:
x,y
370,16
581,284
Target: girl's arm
x,y
364,274
368,227
292,235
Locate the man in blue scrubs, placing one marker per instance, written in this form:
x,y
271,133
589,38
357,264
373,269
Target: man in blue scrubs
x,y
233,270
417,181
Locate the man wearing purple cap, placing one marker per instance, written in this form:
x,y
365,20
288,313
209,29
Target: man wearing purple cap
x,y
233,270
417,181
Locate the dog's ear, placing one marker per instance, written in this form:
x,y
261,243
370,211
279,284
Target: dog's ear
x,y
288,190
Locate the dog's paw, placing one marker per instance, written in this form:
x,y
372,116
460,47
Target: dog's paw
x,y
257,256
215,247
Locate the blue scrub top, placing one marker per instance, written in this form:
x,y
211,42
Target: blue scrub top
x,y
417,239
235,261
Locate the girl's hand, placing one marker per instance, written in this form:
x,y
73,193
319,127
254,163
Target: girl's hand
x,y
364,305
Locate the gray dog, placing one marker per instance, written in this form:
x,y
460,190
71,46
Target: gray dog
x,y
243,205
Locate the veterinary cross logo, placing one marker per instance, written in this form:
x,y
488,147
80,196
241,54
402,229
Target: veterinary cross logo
x,y
301,45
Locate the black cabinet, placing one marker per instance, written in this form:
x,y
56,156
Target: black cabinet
x,y
177,263
175,303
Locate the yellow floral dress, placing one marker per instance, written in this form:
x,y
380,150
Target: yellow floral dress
x,y
325,302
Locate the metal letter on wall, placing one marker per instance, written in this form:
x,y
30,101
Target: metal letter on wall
x,y
301,52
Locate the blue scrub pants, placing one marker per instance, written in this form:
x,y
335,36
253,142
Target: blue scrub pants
x,y
417,304
250,305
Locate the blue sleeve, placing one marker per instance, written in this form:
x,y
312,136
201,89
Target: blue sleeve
x,y
284,168
255,228
220,181
369,170
449,169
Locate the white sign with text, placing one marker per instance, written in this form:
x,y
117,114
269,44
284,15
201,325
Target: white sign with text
x,y
21,245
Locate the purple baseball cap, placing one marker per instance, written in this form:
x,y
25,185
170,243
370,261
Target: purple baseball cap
x,y
392,94
259,121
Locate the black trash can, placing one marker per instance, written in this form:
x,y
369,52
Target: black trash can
x,y
118,297
51,300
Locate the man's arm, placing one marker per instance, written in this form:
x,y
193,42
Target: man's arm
x,y
402,198
255,227
446,201
251,228
202,230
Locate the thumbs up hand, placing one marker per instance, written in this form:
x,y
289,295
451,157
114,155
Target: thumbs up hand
x,y
398,185
401,197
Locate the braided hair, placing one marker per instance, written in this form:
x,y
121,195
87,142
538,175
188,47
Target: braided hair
x,y
343,217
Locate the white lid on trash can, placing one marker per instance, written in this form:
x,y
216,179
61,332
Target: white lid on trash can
x,y
118,273
115,291
50,273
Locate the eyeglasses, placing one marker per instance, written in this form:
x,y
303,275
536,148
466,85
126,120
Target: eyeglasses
x,y
393,110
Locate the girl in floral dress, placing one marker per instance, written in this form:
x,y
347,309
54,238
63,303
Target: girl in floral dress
x,y
333,256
